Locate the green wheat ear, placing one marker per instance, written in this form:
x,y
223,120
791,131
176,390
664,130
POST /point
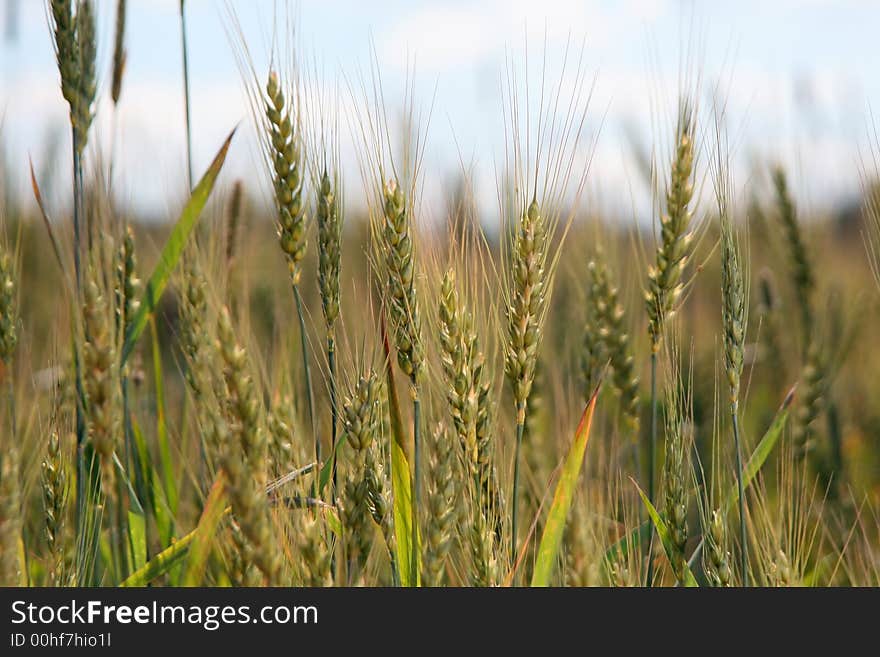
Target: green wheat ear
x,y
527,305
398,252
245,457
287,168
360,416
606,340
665,276
329,221
8,308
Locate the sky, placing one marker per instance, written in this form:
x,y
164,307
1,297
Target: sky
x,y
798,78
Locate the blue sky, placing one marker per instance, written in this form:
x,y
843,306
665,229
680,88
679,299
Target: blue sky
x,y
800,78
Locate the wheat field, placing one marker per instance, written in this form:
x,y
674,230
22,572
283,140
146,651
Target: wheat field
x,y
315,392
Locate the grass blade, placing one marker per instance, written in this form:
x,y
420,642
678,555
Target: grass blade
x,y
171,494
551,538
161,564
762,451
203,541
634,538
173,249
137,539
663,533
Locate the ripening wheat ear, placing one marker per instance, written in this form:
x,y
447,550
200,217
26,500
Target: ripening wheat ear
x,y
245,455
285,153
802,273
74,36
66,51
606,340
545,176
55,489
665,276
120,56
733,315
8,310
396,253
676,237
283,146
399,260
716,557
360,426
100,378
128,284
441,500
677,471
329,218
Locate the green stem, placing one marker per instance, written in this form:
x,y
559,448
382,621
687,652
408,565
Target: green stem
x,y
520,429
417,481
652,462
189,166
307,373
331,363
77,213
744,554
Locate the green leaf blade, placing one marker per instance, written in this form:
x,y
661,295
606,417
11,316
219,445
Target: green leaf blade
x,y
173,249
551,537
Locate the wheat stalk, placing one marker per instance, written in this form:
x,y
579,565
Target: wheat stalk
x,y
329,219
525,313
665,275
285,154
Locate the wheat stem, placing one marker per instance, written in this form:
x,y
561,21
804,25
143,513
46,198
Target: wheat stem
x,y
744,554
652,463
186,100
307,373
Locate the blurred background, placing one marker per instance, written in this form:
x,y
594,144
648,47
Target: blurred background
x,y
798,77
